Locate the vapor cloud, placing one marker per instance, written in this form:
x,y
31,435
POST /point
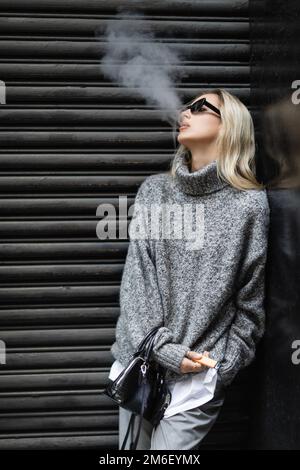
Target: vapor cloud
x,y
135,58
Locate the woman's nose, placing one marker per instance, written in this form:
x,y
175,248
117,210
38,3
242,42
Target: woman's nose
x,y
185,115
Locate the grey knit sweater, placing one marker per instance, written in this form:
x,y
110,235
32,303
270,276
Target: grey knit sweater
x,y
205,286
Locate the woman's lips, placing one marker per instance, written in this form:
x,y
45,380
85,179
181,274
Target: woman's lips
x,y
181,128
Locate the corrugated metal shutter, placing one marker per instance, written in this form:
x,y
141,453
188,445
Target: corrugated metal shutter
x,y
69,141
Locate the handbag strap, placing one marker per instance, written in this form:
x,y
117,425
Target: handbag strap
x,y
130,426
144,341
149,348
133,444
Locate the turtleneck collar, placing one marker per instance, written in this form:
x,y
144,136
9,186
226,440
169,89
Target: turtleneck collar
x,y
199,182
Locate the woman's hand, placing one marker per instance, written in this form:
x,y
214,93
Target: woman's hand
x,y
188,365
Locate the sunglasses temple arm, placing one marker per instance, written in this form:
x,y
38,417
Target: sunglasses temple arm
x,y
212,107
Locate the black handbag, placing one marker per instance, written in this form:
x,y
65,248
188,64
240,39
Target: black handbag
x,y
141,388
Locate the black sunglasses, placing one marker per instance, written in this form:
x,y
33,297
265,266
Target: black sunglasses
x,y
198,106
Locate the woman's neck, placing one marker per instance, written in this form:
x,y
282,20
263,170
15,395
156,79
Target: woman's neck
x,y
202,156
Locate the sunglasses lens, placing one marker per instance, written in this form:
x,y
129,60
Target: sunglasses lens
x,y
195,108
198,105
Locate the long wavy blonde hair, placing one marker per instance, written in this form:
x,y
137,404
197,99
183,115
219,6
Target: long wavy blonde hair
x,y
235,143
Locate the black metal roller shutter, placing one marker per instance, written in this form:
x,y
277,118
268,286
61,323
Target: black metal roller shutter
x,y
70,140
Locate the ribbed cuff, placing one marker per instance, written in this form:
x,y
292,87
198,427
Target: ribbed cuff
x,y
170,355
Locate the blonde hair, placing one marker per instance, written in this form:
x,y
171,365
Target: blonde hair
x,y
235,143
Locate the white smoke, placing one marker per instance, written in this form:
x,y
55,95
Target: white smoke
x,y
135,58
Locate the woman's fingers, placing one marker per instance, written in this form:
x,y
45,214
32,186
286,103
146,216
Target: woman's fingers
x,y
188,365
193,355
191,363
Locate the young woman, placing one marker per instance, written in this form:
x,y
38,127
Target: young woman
x,y
204,284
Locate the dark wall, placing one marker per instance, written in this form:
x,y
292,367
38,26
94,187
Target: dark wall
x,y
274,59
274,64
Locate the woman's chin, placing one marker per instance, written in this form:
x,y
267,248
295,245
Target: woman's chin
x,y
183,140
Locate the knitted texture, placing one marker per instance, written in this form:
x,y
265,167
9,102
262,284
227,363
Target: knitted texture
x,y
204,284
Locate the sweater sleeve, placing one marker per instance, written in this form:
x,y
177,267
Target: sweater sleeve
x,y
248,325
140,296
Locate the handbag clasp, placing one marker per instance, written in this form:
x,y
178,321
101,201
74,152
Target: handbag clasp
x,y
144,368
